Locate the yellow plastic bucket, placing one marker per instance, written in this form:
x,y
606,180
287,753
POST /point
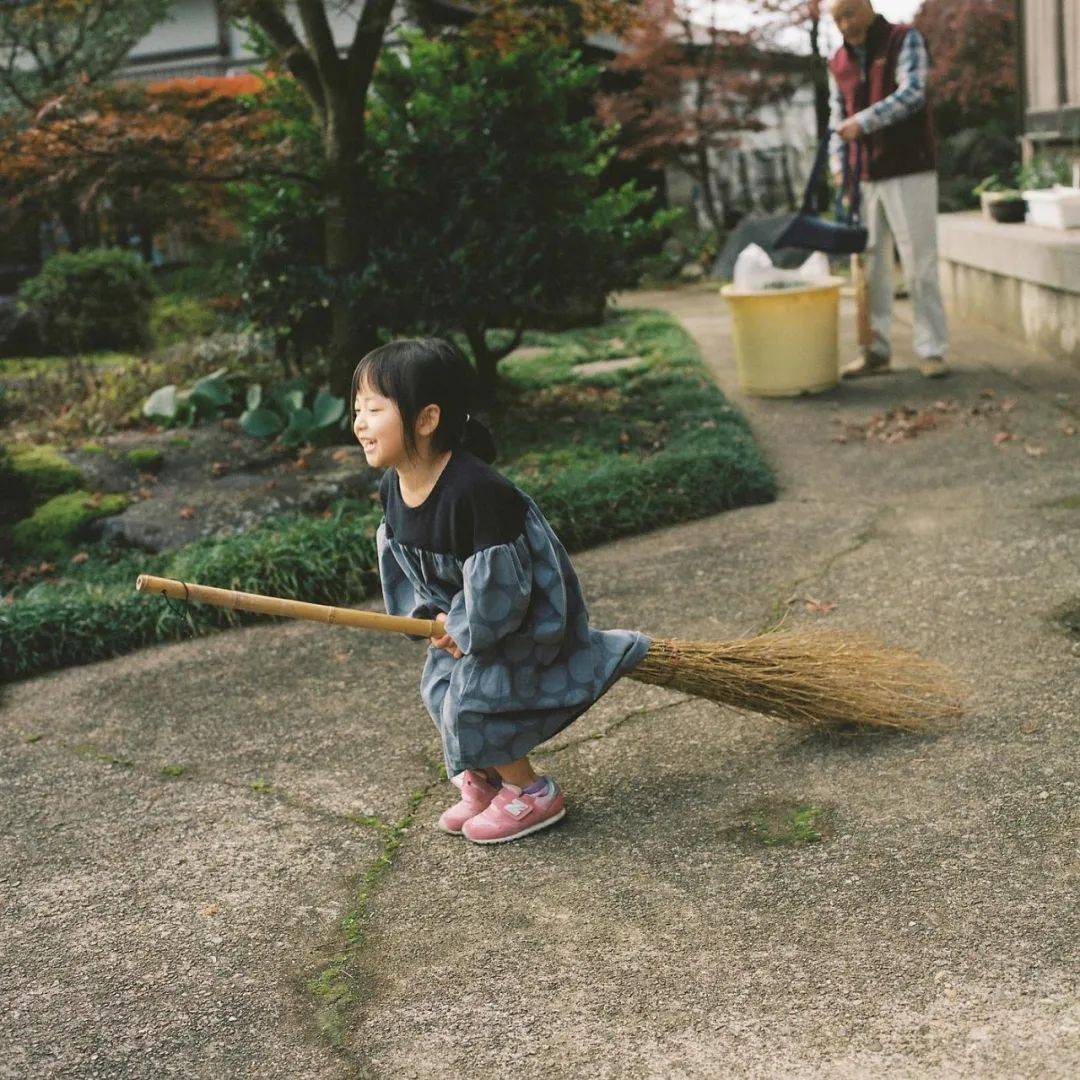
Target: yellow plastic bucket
x,y
787,341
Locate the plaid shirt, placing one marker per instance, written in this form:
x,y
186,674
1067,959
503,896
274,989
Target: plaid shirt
x,y
912,66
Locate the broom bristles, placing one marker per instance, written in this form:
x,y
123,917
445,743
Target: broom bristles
x,y
817,678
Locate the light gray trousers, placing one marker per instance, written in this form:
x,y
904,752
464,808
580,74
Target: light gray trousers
x,y
904,208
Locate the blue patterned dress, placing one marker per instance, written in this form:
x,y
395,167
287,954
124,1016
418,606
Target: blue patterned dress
x,y
479,549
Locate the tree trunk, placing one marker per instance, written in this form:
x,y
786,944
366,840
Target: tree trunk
x,y
486,363
821,103
353,333
705,178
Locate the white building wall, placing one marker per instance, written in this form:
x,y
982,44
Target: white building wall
x,y
193,31
750,178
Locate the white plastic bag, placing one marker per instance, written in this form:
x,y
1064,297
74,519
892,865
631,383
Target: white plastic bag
x,y
816,268
754,271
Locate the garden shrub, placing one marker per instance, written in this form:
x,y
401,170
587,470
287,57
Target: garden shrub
x,y
98,298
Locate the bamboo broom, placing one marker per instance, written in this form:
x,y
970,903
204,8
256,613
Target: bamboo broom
x,y
815,678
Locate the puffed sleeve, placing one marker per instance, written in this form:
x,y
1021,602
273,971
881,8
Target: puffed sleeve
x,y
399,595
497,585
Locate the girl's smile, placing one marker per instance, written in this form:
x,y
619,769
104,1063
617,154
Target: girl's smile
x,y
378,429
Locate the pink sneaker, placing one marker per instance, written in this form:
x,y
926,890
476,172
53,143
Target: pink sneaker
x,y
476,794
512,813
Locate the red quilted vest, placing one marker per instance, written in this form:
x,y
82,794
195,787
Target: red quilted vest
x,y
902,148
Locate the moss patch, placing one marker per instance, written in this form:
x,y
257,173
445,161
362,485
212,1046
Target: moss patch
x,y
780,823
1069,617
54,526
145,458
43,473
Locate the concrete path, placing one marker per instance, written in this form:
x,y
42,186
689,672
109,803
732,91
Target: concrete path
x,y
218,858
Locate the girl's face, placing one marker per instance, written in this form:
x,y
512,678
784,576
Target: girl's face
x,y
379,429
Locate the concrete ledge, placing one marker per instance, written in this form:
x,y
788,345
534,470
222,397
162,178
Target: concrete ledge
x,y
1048,257
1022,279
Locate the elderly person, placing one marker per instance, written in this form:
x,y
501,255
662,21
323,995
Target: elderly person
x,y
881,120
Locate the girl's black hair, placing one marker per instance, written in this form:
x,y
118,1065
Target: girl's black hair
x,y
415,372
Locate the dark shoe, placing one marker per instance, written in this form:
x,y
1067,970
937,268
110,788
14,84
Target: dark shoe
x,y
868,364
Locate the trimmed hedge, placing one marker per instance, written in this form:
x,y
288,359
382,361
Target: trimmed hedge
x,y
323,560
636,449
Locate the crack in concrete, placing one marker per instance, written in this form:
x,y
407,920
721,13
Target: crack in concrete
x,y
333,989
860,540
193,774
614,726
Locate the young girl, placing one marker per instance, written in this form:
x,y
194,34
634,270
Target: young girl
x,y
516,660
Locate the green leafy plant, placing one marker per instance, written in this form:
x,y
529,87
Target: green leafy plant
x,y
206,399
281,411
1044,171
991,183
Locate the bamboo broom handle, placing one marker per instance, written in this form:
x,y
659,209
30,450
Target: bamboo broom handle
x,y
291,609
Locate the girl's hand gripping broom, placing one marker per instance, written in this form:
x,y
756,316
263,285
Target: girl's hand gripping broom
x,y
817,678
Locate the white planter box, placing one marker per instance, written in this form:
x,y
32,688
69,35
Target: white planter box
x,y
1056,208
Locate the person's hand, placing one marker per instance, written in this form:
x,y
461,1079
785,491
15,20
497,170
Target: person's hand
x,y
444,640
849,130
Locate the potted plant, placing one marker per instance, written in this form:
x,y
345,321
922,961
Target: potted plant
x,y
999,201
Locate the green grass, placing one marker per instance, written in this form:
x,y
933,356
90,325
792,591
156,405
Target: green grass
x,y
32,365
604,456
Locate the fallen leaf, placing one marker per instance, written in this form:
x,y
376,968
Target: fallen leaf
x,y
988,393
80,558
1002,437
46,567
144,493
624,437
210,909
822,607
1028,726
187,512
1067,428
219,468
839,439
1034,451
341,656
1008,404
708,423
